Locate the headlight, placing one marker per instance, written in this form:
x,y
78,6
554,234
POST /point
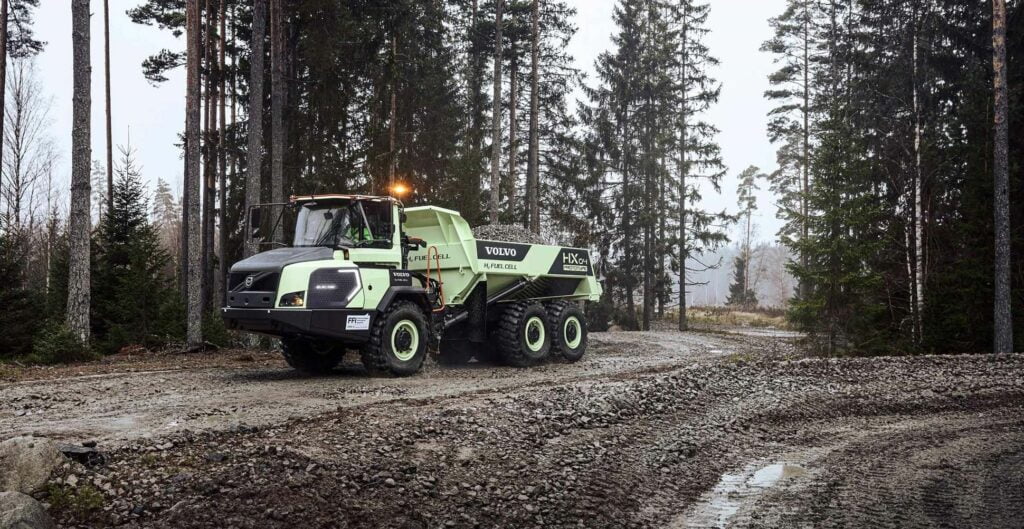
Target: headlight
x,y
293,299
332,288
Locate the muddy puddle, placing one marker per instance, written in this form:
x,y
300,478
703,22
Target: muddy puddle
x,y
737,491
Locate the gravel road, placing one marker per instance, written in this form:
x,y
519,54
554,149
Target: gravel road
x,y
649,430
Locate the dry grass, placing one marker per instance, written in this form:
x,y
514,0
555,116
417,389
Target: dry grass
x,y
727,317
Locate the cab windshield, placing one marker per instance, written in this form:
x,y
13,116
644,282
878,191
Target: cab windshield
x,y
343,224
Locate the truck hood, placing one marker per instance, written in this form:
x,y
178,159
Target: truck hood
x,y
276,259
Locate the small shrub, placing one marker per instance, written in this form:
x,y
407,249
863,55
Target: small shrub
x,y
215,332
56,344
80,502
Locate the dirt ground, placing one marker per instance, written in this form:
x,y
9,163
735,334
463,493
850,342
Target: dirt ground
x,y
654,429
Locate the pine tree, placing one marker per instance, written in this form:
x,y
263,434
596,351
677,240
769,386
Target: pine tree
x,y
747,203
192,221
134,301
80,223
496,117
1003,311
278,21
254,166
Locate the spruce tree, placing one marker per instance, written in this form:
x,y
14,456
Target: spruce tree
x,y
134,302
741,293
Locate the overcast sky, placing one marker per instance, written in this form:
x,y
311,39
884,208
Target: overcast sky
x,y
155,115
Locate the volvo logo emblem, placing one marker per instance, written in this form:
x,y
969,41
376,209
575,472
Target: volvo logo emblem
x,y
249,280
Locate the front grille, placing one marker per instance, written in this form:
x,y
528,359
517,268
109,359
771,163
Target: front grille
x,y
262,281
332,288
260,294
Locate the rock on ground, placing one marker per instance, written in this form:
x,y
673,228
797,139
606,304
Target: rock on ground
x,y
26,463
20,511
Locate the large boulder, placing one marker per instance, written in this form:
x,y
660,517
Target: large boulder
x,y
27,462
21,511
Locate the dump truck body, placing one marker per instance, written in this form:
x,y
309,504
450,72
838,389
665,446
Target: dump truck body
x,y
365,273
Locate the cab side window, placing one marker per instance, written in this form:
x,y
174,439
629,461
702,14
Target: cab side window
x,y
378,215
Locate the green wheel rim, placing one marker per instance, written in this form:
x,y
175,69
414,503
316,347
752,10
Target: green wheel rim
x,y
405,340
534,333
573,332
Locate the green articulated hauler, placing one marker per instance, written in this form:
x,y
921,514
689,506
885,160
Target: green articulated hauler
x,y
366,273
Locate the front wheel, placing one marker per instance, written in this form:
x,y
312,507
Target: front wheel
x,y
398,340
315,357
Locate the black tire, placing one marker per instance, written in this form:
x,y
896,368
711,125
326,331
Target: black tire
x,y
398,341
315,357
568,326
456,352
516,328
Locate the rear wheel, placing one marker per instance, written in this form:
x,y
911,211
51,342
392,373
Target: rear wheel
x,y
398,340
522,336
568,329
311,356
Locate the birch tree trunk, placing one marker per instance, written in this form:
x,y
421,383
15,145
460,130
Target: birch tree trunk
x,y
918,294
496,119
194,322
533,168
79,219
254,171
1003,342
277,109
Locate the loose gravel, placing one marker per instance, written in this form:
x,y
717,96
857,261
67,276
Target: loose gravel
x,y
879,442
508,233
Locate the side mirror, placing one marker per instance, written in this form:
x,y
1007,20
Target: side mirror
x,y
254,222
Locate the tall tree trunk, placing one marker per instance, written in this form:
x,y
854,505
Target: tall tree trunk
x,y
496,119
254,176
683,170
746,261
209,151
277,103
4,9
917,294
234,92
222,241
475,76
79,219
393,112
804,287
194,321
510,185
627,224
1003,342
533,168
662,215
106,75
183,229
